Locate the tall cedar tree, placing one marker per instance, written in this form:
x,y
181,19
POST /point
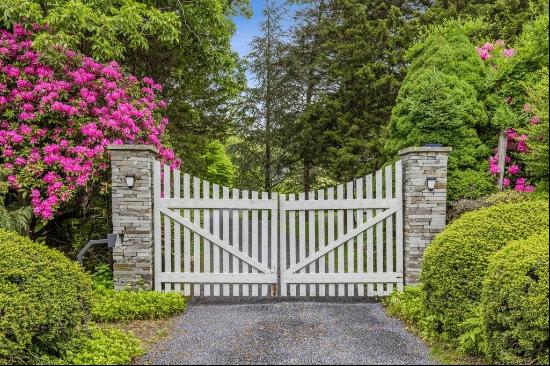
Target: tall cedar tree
x,y
307,63
265,103
368,42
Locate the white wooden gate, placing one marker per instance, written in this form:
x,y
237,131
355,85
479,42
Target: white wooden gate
x,y
210,242
213,241
344,243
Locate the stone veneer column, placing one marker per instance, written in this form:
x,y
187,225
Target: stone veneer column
x,y
424,210
132,210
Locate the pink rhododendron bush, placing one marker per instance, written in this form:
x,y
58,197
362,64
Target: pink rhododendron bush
x,y
57,121
500,59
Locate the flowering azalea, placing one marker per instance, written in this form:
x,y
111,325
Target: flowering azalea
x,y
61,119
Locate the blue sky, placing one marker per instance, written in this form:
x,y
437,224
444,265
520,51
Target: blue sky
x,y
247,28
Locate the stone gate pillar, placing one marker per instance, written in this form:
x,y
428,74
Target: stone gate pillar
x,y
424,202
132,209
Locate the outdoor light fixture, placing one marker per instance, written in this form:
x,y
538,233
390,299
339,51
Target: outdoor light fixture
x,y
430,182
130,180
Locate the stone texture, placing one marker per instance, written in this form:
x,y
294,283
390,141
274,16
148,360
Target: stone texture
x,y
132,215
424,211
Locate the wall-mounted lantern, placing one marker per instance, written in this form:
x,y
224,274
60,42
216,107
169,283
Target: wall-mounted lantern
x,y
130,179
430,182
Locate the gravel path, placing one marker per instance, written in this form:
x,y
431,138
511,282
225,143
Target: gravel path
x,y
288,333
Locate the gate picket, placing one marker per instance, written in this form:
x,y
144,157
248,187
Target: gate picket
x,y
345,241
207,248
350,246
321,222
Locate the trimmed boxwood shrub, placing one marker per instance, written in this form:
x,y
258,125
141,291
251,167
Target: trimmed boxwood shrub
x,y
44,299
455,263
515,302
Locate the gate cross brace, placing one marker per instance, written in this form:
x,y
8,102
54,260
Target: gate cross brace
x,y
341,240
215,240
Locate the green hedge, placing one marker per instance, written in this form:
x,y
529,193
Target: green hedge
x,y
44,299
110,306
455,263
470,184
103,346
515,302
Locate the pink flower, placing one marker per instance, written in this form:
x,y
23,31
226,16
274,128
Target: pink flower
x,y
484,55
488,47
505,182
12,181
521,147
527,108
508,52
534,120
511,134
494,169
500,43
513,169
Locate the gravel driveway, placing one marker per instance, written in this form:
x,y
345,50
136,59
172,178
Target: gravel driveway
x,y
288,333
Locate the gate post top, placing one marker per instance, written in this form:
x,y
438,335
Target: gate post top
x,y
425,149
128,147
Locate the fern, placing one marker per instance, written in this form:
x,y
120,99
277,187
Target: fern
x,y
15,219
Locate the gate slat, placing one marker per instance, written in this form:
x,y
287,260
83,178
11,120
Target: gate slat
x,y
245,243
302,240
216,232
273,243
186,234
360,249
282,247
156,225
330,238
389,228
254,241
379,237
225,237
177,232
292,241
167,230
311,243
341,259
350,243
196,237
399,222
370,238
265,233
321,223
235,240
206,247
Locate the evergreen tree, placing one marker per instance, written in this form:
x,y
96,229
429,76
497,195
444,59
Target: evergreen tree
x,y
265,102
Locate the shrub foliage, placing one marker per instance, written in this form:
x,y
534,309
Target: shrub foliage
x,y
110,305
455,263
44,299
515,302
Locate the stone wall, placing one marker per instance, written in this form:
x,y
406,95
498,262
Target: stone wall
x,y
132,210
424,209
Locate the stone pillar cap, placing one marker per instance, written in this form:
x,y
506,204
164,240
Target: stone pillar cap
x,y
424,149
128,147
